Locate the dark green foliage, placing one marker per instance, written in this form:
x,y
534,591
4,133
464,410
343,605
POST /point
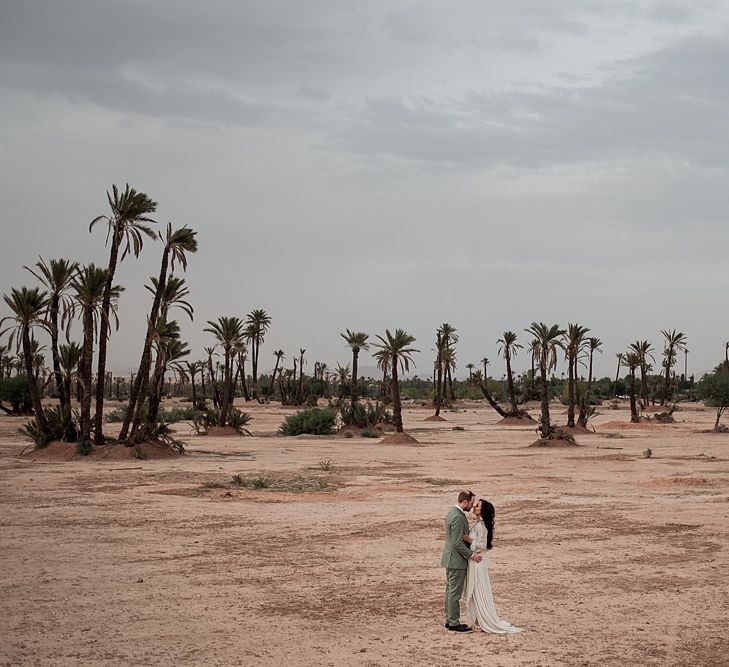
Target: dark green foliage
x,y
83,447
316,421
368,433
59,426
364,415
14,390
167,416
237,420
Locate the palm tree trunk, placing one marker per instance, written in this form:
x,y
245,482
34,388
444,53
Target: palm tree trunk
x,y
571,388
146,360
439,379
63,399
492,402
35,395
273,380
633,406
510,383
545,426
86,375
396,403
226,390
355,354
104,337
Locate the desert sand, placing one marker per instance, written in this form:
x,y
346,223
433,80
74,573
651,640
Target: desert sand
x,y
605,557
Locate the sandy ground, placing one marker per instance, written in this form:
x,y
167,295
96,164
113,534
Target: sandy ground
x,y
604,557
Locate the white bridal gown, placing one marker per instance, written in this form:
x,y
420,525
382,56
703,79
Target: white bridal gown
x,y
480,606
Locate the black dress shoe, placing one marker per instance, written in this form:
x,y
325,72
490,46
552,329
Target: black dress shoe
x,y
460,628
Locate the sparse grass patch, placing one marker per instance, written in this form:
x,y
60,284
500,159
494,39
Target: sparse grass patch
x,y
274,483
441,481
325,464
369,433
459,428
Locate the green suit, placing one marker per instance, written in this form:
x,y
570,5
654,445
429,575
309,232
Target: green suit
x,y
455,559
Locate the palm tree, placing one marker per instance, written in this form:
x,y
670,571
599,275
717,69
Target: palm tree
x,y
449,338
470,368
69,356
643,349
28,307
546,342
574,339
593,345
508,348
632,360
126,225
258,322
214,388
89,290
279,354
439,349
485,361
193,368
621,360
170,352
177,244
357,340
56,278
229,332
396,347
675,342
300,392
382,357
172,295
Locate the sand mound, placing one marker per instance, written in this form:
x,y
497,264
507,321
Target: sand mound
x,y
579,429
435,418
516,421
629,425
554,443
66,451
399,439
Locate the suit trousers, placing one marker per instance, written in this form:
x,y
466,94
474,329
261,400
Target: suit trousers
x,y
455,579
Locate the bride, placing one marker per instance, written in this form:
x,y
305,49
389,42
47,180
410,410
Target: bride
x,y
480,606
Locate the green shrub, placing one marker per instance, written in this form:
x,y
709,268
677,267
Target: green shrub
x,y
237,420
15,391
60,426
369,433
364,415
316,421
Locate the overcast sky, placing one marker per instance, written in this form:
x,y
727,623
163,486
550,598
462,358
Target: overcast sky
x,y
386,163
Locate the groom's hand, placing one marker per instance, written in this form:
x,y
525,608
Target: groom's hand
x,y
476,557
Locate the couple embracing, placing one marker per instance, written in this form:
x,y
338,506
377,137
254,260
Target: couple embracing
x,y
466,567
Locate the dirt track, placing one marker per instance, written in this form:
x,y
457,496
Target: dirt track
x,y
603,556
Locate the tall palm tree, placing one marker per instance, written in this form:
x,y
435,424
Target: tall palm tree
x,y
89,290
449,337
397,348
172,295
675,343
508,348
632,360
177,243
620,356
192,368
382,357
258,322
126,227
28,307
574,339
56,278
485,361
593,345
300,392
470,368
547,340
171,351
357,340
279,354
439,353
229,332
643,349
69,356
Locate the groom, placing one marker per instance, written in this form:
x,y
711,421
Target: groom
x,y
455,560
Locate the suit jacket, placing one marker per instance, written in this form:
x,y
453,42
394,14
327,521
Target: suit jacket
x,y
455,552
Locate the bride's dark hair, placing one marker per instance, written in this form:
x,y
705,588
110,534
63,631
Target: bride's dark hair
x,y
488,512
